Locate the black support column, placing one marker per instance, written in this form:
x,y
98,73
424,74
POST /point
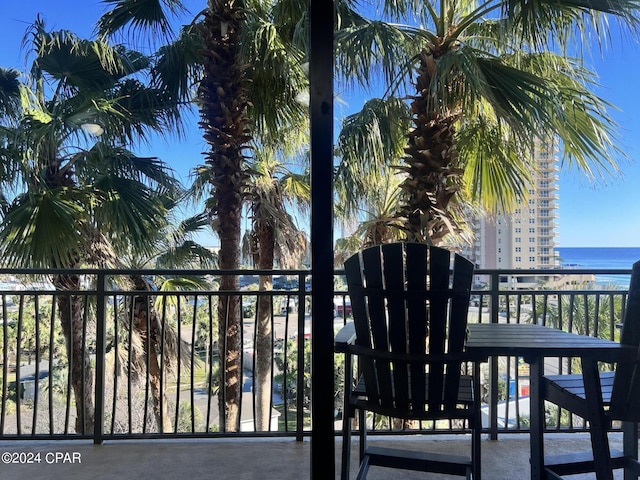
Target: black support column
x,y
321,108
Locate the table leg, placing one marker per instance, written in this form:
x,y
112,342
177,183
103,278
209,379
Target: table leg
x,y
537,419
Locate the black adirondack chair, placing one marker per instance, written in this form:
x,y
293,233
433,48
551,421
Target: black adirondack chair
x,y
603,398
409,303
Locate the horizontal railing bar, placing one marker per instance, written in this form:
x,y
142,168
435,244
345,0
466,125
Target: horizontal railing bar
x,y
150,271
198,321
256,272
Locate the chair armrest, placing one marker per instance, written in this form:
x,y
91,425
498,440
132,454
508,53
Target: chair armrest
x,y
346,336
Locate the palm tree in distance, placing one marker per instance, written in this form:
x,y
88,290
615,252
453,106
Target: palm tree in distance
x,y
380,223
241,63
367,199
160,348
485,81
80,193
274,238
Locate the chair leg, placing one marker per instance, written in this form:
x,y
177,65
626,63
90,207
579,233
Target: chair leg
x,y
598,423
363,456
630,450
346,445
476,427
600,449
362,419
364,469
348,413
476,460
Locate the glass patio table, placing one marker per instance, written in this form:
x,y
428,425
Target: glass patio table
x,y
534,343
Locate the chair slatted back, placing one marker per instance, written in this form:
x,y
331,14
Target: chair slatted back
x,y
625,404
410,299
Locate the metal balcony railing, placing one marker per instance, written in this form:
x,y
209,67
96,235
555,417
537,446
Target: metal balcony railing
x,y
147,361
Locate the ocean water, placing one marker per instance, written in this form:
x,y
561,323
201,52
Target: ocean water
x,y
601,257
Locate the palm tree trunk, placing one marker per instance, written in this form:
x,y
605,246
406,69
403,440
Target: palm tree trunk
x,y
70,308
433,178
149,333
230,344
223,118
264,331
160,407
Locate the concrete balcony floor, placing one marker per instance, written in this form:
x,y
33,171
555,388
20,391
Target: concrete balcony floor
x,y
256,459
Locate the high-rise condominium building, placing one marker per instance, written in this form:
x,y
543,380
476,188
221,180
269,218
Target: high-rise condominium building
x,y
524,239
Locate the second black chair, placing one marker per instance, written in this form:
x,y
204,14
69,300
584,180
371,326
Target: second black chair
x,y
602,399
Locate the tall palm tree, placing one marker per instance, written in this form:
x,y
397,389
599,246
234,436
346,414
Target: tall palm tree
x,y
79,196
241,63
223,100
484,82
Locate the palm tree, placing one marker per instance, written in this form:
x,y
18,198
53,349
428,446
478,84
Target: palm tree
x,y
274,238
79,196
485,81
223,100
172,248
368,196
241,62
379,223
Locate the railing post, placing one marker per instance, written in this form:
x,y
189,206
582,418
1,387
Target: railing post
x,y
101,315
301,360
493,361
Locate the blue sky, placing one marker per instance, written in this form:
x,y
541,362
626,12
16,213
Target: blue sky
x,y
604,214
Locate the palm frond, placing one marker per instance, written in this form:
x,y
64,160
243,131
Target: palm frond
x,y
177,352
139,15
200,183
578,116
179,64
498,171
144,111
297,188
177,284
108,160
127,208
41,230
374,135
9,93
364,51
188,253
544,21
515,95
276,79
82,64
291,16
193,224
370,141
